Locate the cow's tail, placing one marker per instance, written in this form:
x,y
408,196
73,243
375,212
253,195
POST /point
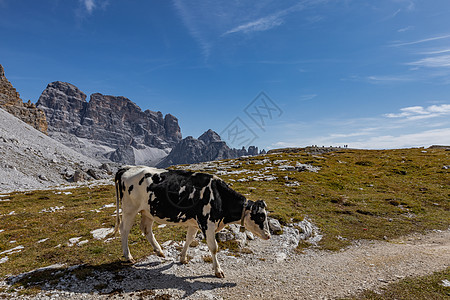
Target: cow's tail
x,y
116,226
119,195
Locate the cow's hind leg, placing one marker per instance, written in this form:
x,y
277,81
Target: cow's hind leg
x,y
125,227
214,248
146,227
190,235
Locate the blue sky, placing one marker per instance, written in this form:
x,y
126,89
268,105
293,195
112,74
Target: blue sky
x,y
368,74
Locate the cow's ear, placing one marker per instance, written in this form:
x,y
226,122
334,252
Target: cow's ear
x,y
262,203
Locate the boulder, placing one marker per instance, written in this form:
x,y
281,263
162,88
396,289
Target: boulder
x,y
275,226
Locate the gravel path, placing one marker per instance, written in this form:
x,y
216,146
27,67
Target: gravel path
x,y
318,274
272,271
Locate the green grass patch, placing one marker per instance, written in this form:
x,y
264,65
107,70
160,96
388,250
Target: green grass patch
x,y
425,287
357,194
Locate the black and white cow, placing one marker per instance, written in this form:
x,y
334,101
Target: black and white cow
x,y
194,200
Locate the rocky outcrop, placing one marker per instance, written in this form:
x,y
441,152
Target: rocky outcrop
x,y
11,102
209,146
108,127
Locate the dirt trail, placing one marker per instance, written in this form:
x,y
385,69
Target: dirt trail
x,y
319,275
271,272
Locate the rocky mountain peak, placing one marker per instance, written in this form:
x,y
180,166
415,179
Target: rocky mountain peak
x,y
2,73
107,127
210,136
173,131
11,102
69,90
209,146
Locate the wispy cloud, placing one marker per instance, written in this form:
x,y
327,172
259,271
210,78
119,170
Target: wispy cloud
x,y
398,44
261,24
389,78
208,22
420,112
191,21
266,22
307,97
424,138
435,52
89,5
433,62
404,29
412,126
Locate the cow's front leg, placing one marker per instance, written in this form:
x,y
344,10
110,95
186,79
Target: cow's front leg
x,y
214,248
146,227
190,235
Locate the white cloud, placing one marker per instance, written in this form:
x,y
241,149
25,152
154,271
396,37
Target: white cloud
x,y
261,24
404,29
436,52
421,41
307,97
89,5
375,140
420,112
390,78
413,126
209,21
419,139
196,30
267,22
433,62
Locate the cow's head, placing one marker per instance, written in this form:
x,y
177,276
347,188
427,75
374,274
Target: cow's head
x,y
255,219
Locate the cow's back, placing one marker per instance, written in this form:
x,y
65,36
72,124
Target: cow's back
x,y
178,196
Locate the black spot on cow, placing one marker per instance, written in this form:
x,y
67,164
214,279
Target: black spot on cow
x,y
147,175
156,179
118,179
130,189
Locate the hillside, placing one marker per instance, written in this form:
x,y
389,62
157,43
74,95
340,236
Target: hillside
x,y
32,160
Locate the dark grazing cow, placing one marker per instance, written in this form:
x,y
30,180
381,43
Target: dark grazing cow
x,y
194,200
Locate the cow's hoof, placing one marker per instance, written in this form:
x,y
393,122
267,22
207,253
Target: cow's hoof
x,y
160,254
220,274
184,261
130,261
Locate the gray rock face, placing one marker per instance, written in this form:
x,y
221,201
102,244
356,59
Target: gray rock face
x,y
209,146
63,104
11,102
107,127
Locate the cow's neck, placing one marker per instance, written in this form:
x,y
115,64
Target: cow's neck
x,y
233,212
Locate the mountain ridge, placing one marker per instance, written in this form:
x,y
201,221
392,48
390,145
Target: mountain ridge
x,y
113,128
107,127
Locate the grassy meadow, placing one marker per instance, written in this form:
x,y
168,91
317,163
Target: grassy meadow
x,y
356,194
